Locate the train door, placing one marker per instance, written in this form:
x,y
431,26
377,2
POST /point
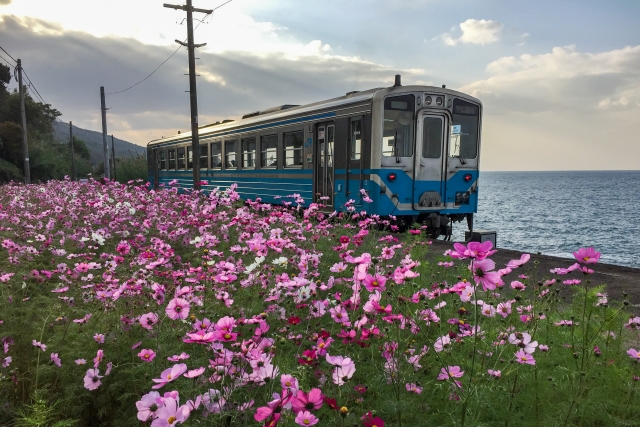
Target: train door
x,y
154,163
324,177
353,178
429,178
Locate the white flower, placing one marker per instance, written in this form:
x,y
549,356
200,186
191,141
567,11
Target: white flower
x,y
98,238
196,240
281,260
132,211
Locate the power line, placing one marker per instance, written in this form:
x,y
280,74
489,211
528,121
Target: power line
x,y
6,60
8,54
163,62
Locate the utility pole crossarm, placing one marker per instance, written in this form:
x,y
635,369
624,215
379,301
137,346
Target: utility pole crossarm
x,y
185,8
187,45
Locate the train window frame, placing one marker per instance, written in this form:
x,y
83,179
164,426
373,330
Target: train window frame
x,y
172,161
354,153
432,151
219,144
204,148
469,124
264,153
296,150
399,108
163,160
227,143
181,160
189,158
248,157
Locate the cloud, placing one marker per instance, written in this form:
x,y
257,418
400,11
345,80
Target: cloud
x,y
69,67
475,32
561,110
563,79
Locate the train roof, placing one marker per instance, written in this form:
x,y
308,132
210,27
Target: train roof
x,y
288,110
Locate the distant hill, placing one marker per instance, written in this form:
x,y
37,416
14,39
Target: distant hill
x,y
93,140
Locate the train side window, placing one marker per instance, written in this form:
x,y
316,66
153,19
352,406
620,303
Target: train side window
x,y
397,137
163,160
432,137
230,154
189,158
269,151
181,158
248,152
356,139
216,155
172,160
204,156
292,149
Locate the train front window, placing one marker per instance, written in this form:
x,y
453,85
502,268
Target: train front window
x,y
163,160
204,156
397,136
464,130
181,159
431,137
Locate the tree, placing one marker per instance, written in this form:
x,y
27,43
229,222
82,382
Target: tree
x,y
11,136
80,148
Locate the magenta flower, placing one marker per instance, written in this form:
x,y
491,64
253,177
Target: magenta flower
x,y
39,345
169,375
587,255
450,372
99,338
482,273
307,401
56,360
92,379
495,374
98,358
148,320
306,418
374,283
81,361
171,414
178,308
523,357
413,388
147,355
179,357
194,372
476,250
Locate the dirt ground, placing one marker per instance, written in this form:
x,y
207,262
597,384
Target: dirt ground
x,y
619,280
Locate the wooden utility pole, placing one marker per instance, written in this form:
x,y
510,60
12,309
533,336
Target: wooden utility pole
x,y
195,144
105,147
113,156
73,153
25,144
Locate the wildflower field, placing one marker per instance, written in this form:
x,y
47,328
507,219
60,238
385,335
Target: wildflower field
x,y
123,306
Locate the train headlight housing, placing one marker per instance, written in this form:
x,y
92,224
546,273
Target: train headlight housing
x,y
439,101
427,100
392,176
467,177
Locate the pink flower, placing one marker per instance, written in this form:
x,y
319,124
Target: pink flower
x,y
81,361
482,273
148,320
476,250
99,338
289,382
634,354
147,355
169,375
307,401
92,379
56,360
374,283
98,358
414,388
495,374
525,358
178,308
587,255
177,358
450,372
171,414
148,405
306,418
194,373
39,345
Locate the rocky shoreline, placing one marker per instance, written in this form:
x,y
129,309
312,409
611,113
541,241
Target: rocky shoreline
x,y
618,279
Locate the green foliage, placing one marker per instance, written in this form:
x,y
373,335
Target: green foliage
x,y
131,168
9,172
41,413
80,148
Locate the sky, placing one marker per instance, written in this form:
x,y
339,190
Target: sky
x,y
559,79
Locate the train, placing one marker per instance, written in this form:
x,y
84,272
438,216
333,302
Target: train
x,y
409,153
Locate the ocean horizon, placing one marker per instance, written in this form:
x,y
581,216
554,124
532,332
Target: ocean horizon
x,y
557,212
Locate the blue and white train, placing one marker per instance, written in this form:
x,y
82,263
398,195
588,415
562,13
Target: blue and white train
x,y
414,151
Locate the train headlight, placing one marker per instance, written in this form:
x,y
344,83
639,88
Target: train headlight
x,y
427,100
392,176
467,177
439,101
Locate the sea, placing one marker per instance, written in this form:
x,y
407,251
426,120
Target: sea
x,y
556,213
